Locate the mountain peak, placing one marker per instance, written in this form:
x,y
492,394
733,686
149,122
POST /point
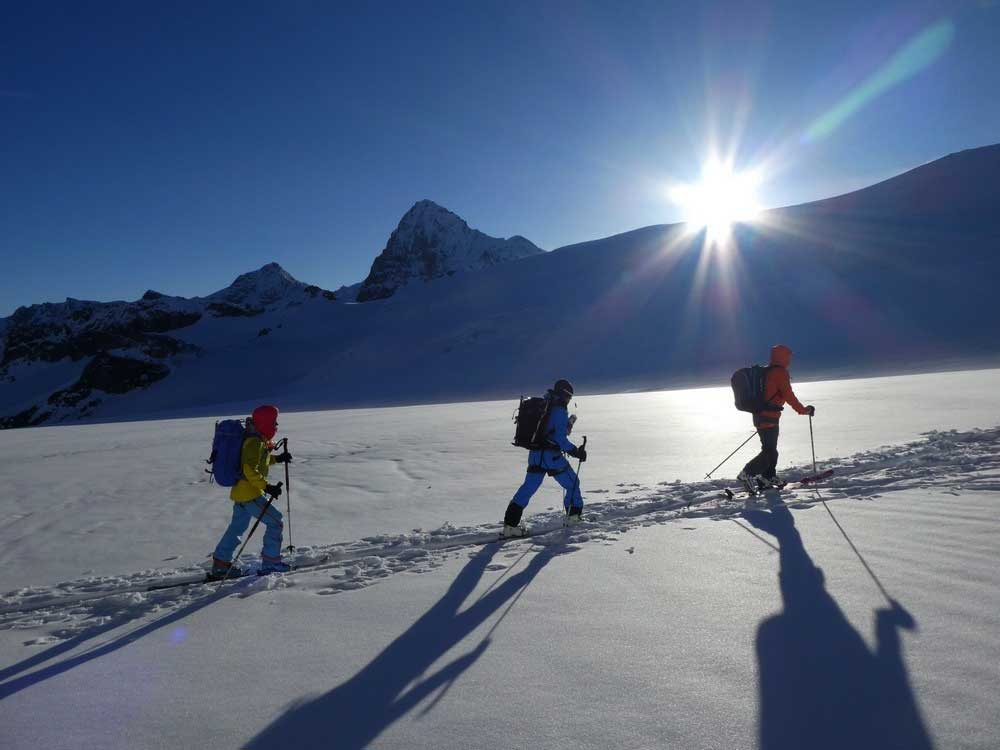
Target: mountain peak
x,y
268,273
259,289
431,242
428,213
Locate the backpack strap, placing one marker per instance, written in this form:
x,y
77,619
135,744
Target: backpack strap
x,y
768,406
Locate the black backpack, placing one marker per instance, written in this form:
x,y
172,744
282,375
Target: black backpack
x,y
748,389
531,421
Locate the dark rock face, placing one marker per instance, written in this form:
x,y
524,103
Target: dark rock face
x,y
110,374
28,418
104,373
226,310
431,242
314,291
41,336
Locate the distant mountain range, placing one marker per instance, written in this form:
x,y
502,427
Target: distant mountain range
x,y
896,276
65,361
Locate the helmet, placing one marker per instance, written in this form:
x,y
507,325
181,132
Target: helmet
x,y
265,419
563,389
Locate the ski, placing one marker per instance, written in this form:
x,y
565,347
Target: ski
x,y
816,477
332,558
802,482
528,532
161,584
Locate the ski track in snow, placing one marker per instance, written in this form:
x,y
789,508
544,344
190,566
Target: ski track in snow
x,y
956,461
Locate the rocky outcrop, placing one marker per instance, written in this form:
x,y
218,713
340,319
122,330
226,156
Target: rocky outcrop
x,y
431,242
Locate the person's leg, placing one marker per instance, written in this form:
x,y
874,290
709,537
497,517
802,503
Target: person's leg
x,y
769,449
568,480
231,538
760,462
273,527
532,481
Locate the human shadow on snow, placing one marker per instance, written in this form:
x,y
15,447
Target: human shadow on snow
x,y
820,685
357,711
10,686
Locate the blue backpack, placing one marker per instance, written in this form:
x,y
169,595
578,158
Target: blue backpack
x,y
227,449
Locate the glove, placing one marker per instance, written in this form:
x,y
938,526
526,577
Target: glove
x,y
274,490
283,458
810,410
580,453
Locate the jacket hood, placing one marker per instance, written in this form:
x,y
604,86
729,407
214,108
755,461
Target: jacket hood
x,y
265,419
781,355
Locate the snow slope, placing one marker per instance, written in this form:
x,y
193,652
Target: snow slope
x,y
866,283
672,618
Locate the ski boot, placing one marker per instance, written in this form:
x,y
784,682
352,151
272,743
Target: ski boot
x,y
222,570
512,526
574,515
749,483
267,567
770,483
513,532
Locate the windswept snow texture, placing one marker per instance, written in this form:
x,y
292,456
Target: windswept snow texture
x,y
431,242
672,617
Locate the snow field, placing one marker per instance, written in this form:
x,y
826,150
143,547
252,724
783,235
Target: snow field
x,y
105,499
668,619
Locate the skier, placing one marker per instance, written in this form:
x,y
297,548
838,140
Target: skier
x,y
761,473
248,497
550,461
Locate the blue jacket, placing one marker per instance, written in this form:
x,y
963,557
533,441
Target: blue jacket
x,y
555,432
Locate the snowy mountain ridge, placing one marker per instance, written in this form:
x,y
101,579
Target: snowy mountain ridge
x,y
855,284
130,343
431,242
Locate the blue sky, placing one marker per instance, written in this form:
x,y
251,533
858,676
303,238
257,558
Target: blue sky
x,y
176,145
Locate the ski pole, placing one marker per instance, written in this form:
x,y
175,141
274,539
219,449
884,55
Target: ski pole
x,y
709,475
812,443
288,502
256,523
579,465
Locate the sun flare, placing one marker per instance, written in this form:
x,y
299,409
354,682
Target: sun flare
x,y
721,199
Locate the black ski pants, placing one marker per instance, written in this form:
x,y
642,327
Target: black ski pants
x,y
766,462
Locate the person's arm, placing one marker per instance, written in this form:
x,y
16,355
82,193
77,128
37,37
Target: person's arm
x,y
558,419
785,389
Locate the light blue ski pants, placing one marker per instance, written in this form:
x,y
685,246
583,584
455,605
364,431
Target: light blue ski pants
x,y
243,515
564,475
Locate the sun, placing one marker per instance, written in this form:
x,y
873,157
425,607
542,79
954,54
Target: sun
x,y
721,199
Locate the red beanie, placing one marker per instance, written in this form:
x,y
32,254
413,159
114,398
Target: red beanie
x,y
265,419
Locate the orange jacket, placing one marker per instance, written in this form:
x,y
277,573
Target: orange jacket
x,y
778,388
